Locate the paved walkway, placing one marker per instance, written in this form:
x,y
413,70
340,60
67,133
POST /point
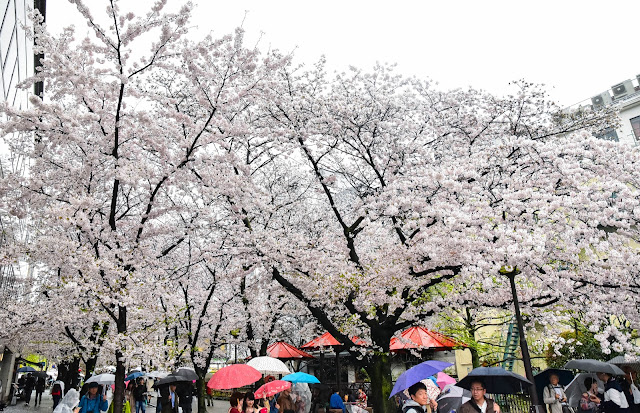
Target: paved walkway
x,y
219,406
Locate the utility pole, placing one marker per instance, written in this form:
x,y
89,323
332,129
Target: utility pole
x,y
526,357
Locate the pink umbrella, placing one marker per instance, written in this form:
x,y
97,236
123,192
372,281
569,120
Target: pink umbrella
x,y
443,379
272,388
234,376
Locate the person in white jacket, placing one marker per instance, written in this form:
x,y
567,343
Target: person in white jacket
x,y
553,395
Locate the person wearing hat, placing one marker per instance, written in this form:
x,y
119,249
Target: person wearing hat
x,y
92,402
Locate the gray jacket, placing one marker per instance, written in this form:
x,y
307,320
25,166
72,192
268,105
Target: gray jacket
x,y
549,398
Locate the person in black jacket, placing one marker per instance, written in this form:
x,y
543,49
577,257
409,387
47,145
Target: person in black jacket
x,y
40,384
185,395
614,398
29,385
140,395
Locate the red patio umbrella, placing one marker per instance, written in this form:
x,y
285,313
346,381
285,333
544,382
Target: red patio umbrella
x,y
271,388
234,376
282,350
327,340
423,338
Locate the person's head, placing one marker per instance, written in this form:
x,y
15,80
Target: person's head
x,y
360,391
248,401
629,373
235,399
478,390
554,379
418,393
589,382
140,380
92,389
172,387
605,377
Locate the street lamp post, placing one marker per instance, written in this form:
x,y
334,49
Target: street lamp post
x,y
526,357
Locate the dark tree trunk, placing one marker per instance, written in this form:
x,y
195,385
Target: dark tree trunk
x,y
379,369
264,343
68,373
90,366
475,357
118,393
201,388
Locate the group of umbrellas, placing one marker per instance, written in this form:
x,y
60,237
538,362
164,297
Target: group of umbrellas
x,y
500,381
240,375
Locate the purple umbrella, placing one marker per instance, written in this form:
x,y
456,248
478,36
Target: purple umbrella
x,y
417,373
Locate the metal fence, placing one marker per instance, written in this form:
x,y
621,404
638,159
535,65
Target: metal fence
x,y
513,403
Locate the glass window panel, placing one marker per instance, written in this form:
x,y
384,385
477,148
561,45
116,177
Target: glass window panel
x,y
635,125
6,32
9,64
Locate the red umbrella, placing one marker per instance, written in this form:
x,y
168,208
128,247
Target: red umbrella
x,y
282,350
423,338
234,376
327,340
272,388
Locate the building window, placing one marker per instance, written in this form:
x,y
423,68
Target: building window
x,y
608,134
635,125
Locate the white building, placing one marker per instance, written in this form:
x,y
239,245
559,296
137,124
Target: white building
x,y
625,96
16,64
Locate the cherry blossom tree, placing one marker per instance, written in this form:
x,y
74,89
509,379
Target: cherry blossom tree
x,y
123,150
383,193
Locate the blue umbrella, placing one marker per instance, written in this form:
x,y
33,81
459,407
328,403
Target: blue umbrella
x,y
417,373
134,375
300,377
496,380
26,369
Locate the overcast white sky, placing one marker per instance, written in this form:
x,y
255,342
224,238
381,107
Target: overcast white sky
x,y
577,48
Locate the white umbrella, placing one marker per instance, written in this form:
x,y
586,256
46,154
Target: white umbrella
x,y
268,365
104,378
157,374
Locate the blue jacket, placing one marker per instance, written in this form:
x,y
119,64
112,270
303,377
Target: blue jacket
x,y
335,402
88,405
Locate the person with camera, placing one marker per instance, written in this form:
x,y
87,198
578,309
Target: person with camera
x,y
553,395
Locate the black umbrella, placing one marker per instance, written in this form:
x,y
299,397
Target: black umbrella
x,y
42,374
185,372
496,380
594,366
542,379
452,398
171,379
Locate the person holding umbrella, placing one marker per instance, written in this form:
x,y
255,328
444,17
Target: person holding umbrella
x,y
630,390
419,399
479,403
92,401
553,394
591,399
169,398
614,398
